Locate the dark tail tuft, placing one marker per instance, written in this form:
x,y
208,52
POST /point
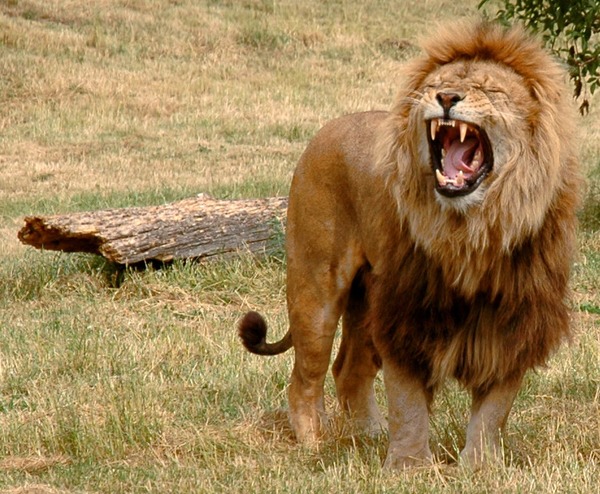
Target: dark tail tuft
x,y
253,332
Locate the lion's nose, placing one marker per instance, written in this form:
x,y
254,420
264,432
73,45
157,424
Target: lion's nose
x,y
448,99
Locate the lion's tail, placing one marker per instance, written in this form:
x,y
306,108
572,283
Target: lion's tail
x,y
253,332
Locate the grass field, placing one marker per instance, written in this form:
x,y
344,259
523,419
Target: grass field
x,y
141,386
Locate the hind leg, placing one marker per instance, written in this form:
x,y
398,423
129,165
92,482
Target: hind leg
x,y
324,253
313,333
317,294
356,366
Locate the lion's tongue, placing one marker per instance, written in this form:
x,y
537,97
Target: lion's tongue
x,y
458,155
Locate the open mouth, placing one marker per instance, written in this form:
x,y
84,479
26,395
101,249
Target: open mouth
x,y
461,156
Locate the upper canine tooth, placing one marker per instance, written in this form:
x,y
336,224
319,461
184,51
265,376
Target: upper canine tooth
x,y
433,128
463,131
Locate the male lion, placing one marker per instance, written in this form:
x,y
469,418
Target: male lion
x,y
442,233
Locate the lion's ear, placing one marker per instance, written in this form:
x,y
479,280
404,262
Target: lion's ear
x,y
544,92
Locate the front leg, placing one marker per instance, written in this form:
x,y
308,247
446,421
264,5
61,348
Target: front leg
x,y
408,410
489,411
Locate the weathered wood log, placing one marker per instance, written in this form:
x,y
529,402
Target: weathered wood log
x,y
192,228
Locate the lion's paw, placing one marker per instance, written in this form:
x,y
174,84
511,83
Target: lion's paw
x,y
396,461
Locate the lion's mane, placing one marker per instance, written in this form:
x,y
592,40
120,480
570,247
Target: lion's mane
x,y
495,275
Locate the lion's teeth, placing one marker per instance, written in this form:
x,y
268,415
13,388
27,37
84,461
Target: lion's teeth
x,y
440,178
477,159
460,179
443,152
463,131
434,127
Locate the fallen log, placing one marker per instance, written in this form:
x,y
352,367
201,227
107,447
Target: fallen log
x,y
198,227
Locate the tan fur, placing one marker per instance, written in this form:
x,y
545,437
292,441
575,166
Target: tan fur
x,y
429,286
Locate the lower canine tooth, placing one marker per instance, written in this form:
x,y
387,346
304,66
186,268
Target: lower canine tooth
x,y
460,178
440,178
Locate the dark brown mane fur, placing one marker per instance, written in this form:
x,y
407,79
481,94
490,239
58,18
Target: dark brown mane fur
x,y
493,335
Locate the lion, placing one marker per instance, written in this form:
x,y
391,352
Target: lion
x,y
442,234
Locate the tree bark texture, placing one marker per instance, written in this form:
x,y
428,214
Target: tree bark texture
x,y
192,228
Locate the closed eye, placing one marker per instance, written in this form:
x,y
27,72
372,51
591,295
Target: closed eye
x,y
495,90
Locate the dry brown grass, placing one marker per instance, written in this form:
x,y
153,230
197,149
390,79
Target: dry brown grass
x,y
142,386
